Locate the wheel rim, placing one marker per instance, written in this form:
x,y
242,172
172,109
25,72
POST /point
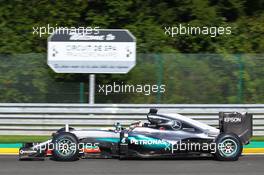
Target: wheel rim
x,y
228,147
65,147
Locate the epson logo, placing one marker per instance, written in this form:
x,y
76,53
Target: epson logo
x,y
232,120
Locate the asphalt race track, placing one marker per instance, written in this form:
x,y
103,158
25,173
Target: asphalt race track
x,y
247,165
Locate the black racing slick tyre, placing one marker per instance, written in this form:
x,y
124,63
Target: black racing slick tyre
x,y
228,147
65,147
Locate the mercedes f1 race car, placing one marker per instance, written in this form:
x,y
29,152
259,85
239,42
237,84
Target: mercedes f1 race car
x,y
162,136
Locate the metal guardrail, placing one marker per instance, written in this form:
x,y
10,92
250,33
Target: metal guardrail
x,y
42,119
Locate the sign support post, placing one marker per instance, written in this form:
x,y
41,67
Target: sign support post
x,y
91,88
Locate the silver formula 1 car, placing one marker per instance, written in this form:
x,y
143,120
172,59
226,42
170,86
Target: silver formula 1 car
x,y
163,136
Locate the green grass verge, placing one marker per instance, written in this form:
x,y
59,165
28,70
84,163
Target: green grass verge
x,y
258,138
24,139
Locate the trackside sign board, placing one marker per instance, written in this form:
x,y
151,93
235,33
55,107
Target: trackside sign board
x,y
103,51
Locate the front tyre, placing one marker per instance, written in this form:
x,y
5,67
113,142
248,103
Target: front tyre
x,y
65,147
229,147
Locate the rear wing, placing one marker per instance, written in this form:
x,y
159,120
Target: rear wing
x,y
237,123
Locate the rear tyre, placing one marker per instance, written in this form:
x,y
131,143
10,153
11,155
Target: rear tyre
x,y
65,147
228,147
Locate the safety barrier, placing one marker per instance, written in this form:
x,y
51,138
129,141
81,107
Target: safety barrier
x,y
42,119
